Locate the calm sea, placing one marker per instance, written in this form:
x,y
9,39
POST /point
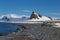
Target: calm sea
x,y
7,28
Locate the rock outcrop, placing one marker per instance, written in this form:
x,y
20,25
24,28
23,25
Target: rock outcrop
x,y
35,15
39,17
49,17
5,18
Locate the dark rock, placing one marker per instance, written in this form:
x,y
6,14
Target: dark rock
x,y
5,18
35,15
49,17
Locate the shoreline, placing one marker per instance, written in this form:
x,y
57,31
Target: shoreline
x,y
34,32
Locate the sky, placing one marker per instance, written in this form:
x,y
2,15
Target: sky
x,y
25,7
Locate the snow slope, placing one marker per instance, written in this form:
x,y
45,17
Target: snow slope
x,y
37,17
43,18
13,16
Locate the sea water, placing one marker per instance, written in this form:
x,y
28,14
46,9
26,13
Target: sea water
x,y
7,28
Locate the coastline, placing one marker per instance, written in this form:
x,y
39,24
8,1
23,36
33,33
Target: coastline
x,y
34,32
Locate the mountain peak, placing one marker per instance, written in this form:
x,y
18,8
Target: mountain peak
x,y
35,15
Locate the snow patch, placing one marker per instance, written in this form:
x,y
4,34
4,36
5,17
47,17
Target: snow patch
x,y
43,18
13,16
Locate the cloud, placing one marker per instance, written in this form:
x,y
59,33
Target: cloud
x,y
25,10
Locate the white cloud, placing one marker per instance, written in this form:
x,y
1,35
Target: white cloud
x,y
25,10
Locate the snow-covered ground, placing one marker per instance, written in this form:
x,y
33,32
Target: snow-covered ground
x,y
25,19
13,16
43,18
57,25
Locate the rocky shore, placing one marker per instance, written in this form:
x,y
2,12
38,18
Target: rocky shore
x,y
34,32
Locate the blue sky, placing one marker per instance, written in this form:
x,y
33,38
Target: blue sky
x,y
25,7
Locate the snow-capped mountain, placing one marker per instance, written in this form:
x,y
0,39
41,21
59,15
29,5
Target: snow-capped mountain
x,y
5,18
11,17
37,17
34,17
